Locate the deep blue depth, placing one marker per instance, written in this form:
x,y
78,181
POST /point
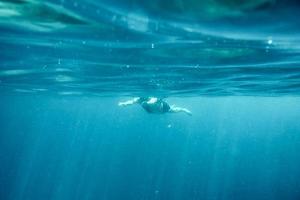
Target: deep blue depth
x,y
88,148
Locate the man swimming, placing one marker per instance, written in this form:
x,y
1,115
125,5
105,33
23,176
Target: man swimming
x,y
155,105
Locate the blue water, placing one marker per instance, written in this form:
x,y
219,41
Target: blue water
x,y
65,65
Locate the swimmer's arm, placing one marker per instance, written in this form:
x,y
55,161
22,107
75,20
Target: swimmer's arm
x,y
129,102
175,109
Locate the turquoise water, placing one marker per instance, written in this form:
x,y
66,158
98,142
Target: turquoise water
x,y
65,65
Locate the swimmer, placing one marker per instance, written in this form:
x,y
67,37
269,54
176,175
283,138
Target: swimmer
x,y
155,105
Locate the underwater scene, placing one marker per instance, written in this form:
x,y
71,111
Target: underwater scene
x,y
149,100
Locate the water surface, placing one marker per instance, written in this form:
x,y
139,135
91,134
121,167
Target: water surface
x,y
180,48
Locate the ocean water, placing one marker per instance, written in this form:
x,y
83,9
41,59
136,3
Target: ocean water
x,y
65,65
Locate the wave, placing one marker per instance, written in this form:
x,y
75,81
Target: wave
x,y
158,48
